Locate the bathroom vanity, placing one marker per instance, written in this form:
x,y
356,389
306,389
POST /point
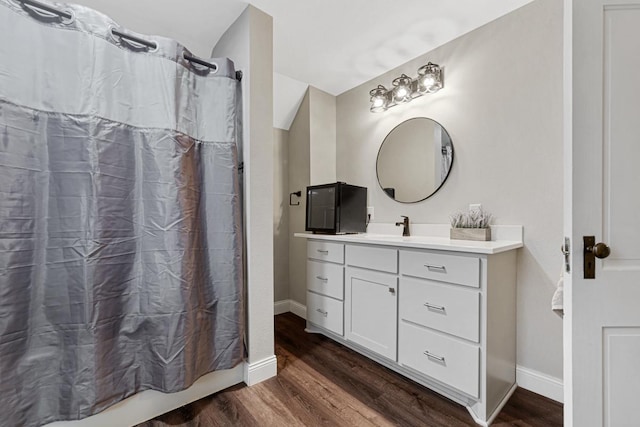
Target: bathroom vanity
x,y
441,312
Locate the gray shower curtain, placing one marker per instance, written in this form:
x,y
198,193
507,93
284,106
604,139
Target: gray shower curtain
x,y
120,216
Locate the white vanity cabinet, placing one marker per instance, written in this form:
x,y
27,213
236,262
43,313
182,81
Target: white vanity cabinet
x,y
439,311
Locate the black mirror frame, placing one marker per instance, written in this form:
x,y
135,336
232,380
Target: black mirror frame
x,y
443,181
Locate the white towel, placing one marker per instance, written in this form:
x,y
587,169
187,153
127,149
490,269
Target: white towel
x,y
557,303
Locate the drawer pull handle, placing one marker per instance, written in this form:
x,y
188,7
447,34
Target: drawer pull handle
x,y
435,307
324,313
323,251
324,279
439,268
433,356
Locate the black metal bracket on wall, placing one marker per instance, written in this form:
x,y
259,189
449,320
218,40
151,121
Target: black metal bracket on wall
x,y
295,193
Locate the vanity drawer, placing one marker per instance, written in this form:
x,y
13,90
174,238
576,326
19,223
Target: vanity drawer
x,y
462,270
325,251
447,308
448,360
372,257
325,278
325,312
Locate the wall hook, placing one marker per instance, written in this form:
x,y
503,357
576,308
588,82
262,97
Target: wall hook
x,y
295,193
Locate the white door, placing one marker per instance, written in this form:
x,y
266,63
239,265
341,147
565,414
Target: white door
x,y
602,322
371,310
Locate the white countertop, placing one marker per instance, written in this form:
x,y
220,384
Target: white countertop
x,y
423,242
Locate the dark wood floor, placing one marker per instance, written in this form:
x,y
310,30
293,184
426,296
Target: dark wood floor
x,y
321,382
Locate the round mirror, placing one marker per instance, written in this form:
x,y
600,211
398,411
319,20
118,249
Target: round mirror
x,y
414,160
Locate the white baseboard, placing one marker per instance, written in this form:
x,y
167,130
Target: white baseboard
x,y
280,307
150,403
261,370
543,384
298,309
289,305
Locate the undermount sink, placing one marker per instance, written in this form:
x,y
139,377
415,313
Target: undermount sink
x,y
393,238
381,237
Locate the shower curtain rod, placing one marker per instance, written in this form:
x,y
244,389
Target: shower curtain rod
x,y
150,44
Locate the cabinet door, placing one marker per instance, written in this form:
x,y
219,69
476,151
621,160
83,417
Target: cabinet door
x,y
371,310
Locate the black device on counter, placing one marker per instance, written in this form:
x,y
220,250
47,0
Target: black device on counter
x,y
336,208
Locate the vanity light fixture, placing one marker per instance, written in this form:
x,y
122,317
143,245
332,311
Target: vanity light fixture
x,y
430,78
402,89
379,99
405,88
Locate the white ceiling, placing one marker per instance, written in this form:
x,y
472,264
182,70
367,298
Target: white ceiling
x,y
336,45
333,45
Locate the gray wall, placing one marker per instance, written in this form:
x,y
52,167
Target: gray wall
x,y
312,160
322,130
502,106
280,215
299,170
249,42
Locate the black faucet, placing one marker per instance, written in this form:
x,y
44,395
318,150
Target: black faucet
x,y
405,224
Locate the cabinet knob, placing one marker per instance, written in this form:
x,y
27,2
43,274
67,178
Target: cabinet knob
x,y
392,291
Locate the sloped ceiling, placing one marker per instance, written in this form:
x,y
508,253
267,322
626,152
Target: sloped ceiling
x,y
333,45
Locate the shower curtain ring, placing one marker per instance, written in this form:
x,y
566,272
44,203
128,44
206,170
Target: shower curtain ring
x,y
194,59
135,41
46,11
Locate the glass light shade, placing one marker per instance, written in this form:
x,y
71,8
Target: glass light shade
x,y
430,78
402,89
379,100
